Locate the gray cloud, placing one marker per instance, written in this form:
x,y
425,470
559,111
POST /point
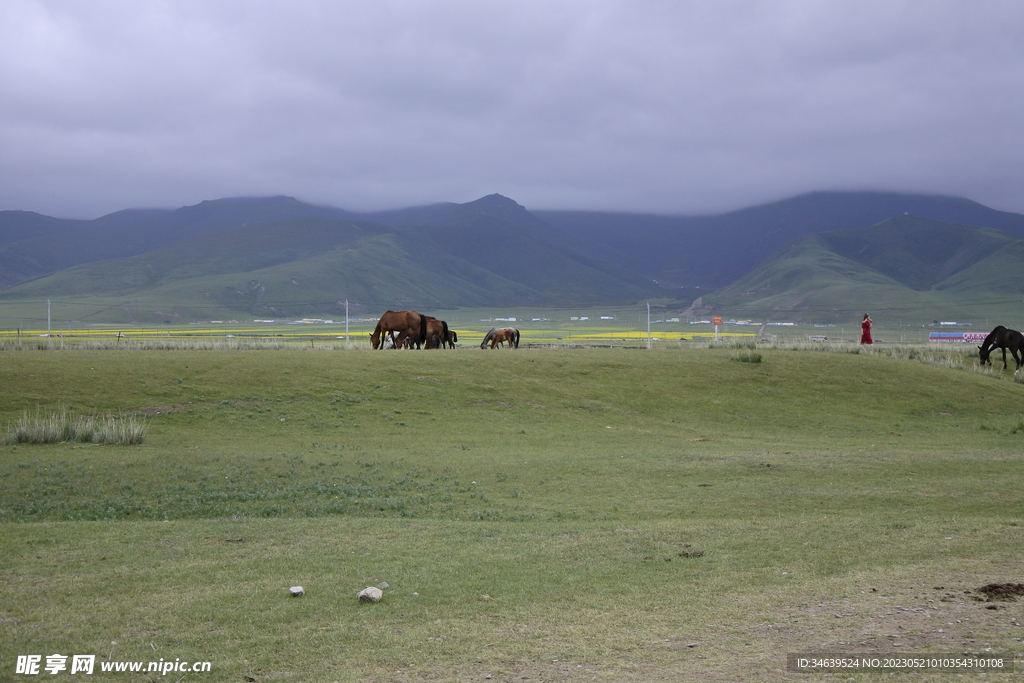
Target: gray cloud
x,y
653,105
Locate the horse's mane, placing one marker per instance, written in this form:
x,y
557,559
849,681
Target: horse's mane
x,y
997,331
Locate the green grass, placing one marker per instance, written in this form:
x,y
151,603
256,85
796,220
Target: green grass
x,y
568,486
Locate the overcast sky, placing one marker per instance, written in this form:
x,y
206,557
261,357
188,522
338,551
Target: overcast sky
x,y
657,106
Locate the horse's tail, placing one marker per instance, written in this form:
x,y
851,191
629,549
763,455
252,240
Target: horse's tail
x,y
515,337
423,327
444,334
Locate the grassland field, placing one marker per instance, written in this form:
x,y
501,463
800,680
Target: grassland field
x,y
611,326
693,512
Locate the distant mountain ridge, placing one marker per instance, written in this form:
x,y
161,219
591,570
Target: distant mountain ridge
x,y
281,255
708,252
494,205
47,247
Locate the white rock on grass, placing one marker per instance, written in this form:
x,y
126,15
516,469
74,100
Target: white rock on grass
x,y
370,594
296,591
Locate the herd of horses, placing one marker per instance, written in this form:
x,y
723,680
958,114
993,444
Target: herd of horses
x,y
412,329
408,329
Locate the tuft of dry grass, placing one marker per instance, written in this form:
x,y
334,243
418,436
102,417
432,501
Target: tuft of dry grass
x,y
62,426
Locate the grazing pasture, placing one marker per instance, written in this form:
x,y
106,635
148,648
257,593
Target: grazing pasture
x,y
576,515
555,328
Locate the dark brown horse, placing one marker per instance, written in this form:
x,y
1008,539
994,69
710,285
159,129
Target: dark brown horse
x,y
1003,338
450,339
408,324
437,333
499,335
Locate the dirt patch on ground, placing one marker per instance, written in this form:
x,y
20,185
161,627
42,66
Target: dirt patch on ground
x,y
926,615
947,616
893,622
1007,592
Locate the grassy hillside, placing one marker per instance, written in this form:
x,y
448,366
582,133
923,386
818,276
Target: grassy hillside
x,y
994,278
291,269
520,253
809,281
232,251
904,267
619,515
376,273
310,267
917,252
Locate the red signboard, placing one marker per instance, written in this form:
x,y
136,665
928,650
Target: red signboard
x,y
717,319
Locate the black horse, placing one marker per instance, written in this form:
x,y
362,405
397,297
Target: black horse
x,y
1003,338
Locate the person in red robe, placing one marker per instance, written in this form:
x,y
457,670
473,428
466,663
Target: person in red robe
x,y
865,330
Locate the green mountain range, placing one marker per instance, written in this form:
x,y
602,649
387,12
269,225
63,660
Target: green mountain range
x,y
311,266
835,254
702,253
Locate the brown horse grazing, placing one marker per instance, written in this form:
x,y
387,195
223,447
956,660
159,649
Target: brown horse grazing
x,y
498,335
410,339
1002,338
437,333
406,323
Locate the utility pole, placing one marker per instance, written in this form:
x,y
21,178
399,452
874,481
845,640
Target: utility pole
x,y
47,322
648,325
346,324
